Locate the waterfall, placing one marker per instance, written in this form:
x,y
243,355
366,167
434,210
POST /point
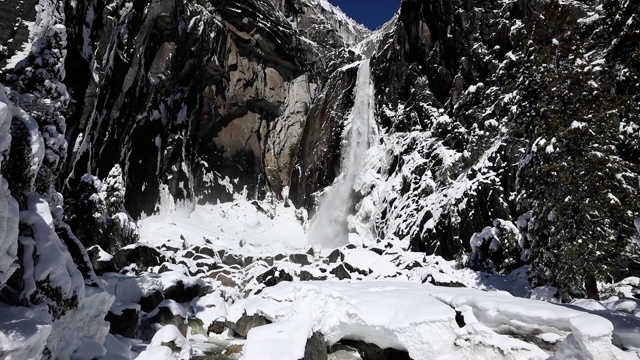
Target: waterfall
x,y
329,225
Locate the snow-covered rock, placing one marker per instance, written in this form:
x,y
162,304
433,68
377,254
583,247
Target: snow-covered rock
x,y
23,332
171,337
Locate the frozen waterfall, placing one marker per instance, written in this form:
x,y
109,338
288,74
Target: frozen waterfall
x,y
329,225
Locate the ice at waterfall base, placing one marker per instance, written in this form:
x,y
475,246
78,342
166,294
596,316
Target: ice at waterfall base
x,y
387,297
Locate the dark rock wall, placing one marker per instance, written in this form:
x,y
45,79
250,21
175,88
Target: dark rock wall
x,y
182,95
480,102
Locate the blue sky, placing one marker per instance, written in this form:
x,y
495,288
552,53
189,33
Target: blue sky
x,y
370,13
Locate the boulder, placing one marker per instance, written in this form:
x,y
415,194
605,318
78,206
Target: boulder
x,y
124,320
373,352
335,256
142,255
169,312
442,281
233,259
341,272
273,276
316,348
246,323
181,293
205,250
302,259
151,301
101,260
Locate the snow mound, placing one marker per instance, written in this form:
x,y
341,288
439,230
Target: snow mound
x,y
23,332
171,336
279,341
236,225
424,320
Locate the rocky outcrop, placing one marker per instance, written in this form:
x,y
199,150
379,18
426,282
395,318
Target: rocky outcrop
x,y
221,113
318,152
467,95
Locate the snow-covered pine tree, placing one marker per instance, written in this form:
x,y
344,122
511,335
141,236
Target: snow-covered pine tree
x,y
581,191
113,189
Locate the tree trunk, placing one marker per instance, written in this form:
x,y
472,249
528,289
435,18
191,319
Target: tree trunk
x,y
591,286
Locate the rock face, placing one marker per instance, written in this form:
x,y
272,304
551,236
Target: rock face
x,y
220,113
476,136
509,129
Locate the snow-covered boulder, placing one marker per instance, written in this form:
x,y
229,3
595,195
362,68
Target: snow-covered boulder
x,y
171,337
23,332
124,319
170,312
211,310
82,326
9,216
285,340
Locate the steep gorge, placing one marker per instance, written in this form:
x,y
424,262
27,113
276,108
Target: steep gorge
x,y
509,131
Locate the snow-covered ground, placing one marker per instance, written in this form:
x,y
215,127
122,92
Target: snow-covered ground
x,y
387,297
239,227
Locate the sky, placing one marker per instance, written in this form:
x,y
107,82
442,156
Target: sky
x,y
370,13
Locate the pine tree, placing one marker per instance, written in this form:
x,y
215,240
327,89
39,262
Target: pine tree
x,y
113,191
581,191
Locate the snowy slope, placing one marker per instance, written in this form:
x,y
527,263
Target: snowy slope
x,y
388,300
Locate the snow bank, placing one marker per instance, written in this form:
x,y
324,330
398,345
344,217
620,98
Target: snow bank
x,y
498,308
171,335
279,341
593,334
23,332
8,205
82,326
8,232
46,259
420,319
380,313
157,353
209,308
226,226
